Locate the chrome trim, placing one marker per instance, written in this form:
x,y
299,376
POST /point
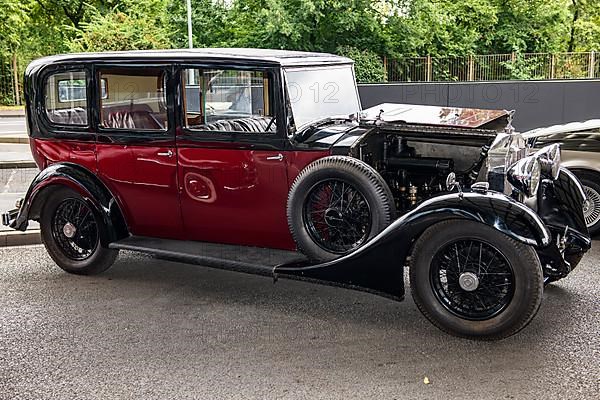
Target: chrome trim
x,y
525,175
165,154
278,157
549,157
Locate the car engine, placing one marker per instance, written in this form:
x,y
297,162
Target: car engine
x,y
416,169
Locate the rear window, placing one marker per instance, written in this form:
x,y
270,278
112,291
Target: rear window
x,y
66,98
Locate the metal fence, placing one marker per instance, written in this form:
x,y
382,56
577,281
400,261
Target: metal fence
x,y
494,67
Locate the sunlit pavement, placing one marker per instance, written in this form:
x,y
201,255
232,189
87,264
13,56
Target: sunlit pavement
x,y
152,329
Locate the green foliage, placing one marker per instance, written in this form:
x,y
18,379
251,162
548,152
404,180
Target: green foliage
x,y
13,18
521,68
368,65
129,26
392,28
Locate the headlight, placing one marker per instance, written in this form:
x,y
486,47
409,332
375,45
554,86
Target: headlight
x,y
525,175
549,157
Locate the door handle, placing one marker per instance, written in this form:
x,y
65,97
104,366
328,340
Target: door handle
x,y
278,157
166,154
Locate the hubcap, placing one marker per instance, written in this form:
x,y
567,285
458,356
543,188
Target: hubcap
x,y
468,281
591,206
69,230
337,216
472,279
74,229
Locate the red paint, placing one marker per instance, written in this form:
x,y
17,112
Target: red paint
x,y
234,196
49,151
202,192
145,183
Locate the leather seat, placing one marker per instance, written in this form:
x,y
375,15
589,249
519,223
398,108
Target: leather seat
x,y
136,116
69,116
250,124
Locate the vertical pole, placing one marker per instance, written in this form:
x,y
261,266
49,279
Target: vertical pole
x,y
16,80
385,67
189,24
428,71
190,39
592,64
552,65
471,69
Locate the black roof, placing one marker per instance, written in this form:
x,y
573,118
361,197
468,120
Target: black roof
x,y
262,56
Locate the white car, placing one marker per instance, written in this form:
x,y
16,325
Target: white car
x,y
580,145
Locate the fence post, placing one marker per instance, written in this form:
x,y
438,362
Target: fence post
x,y
592,65
16,80
428,69
471,72
385,67
552,65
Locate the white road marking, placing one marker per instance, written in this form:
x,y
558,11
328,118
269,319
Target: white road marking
x,y
9,181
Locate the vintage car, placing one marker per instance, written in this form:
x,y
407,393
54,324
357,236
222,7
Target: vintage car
x,y
263,161
580,152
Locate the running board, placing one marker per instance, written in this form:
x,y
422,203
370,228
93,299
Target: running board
x,y
253,260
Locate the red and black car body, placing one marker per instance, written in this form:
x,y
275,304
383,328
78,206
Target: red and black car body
x,y
156,184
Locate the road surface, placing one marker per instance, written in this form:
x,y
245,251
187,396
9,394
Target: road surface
x,y
152,329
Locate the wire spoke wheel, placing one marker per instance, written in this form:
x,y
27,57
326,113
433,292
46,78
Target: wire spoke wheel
x,y
591,206
74,229
472,279
337,216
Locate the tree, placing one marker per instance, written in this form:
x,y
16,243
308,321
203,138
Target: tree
x,y
13,18
584,34
129,26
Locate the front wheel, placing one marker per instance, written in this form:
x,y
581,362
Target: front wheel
x,y
71,233
591,207
472,281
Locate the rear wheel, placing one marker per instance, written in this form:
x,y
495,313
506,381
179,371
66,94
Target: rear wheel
x,y
336,205
71,233
472,281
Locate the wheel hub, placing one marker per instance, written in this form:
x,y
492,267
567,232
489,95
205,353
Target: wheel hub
x,y
69,230
333,217
586,206
468,281
591,206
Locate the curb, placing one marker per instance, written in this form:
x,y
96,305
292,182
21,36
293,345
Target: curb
x,y
12,113
14,139
17,238
17,164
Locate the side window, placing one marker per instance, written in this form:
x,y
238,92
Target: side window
x,y
227,100
133,99
66,98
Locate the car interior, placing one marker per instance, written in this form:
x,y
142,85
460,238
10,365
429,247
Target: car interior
x,y
228,101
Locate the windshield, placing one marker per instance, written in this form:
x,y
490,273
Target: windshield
x,y
320,92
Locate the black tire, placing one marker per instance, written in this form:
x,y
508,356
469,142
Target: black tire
x,y
81,254
511,287
591,187
369,207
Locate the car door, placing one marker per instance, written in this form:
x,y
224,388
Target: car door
x,y
136,152
232,159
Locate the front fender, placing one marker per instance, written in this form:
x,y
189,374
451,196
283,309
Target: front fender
x,y
84,182
377,266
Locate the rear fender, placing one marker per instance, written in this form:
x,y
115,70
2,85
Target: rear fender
x,y
377,266
84,182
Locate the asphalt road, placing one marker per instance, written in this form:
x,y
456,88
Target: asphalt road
x,y
12,126
152,329
13,185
